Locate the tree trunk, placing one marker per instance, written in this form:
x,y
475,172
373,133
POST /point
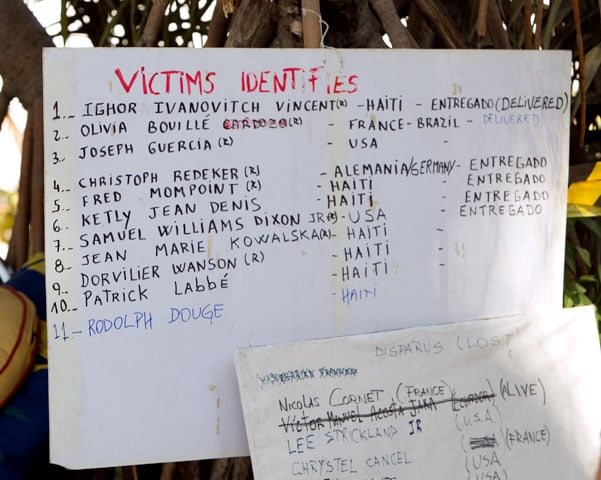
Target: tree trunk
x,y
21,52
22,39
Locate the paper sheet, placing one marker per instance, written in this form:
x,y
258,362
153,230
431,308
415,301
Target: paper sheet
x,y
510,398
203,200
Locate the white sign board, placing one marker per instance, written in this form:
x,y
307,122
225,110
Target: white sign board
x,y
509,399
200,201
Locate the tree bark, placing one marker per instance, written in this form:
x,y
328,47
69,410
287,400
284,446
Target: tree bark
x,y
419,28
312,31
290,31
351,24
398,34
439,20
254,24
494,25
218,27
22,39
154,24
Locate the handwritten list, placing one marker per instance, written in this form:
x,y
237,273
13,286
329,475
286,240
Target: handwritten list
x,y
200,201
400,404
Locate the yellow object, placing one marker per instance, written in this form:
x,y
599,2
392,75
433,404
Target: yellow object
x,y
583,196
19,339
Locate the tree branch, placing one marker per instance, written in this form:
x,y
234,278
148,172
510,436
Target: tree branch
x,y
254,24
21,70
21,52
481,20
153,24
538,22
311,23
581,74
218,27
398,34
494,25
289,32
36,117
527,25
419,28
440,21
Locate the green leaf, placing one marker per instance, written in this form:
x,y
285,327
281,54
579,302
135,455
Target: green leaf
x,y
579,288
584,255
584,300
570,258
593,225
567,301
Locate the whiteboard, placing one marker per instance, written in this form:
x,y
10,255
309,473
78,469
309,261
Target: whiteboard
x,y
201,201
510,398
